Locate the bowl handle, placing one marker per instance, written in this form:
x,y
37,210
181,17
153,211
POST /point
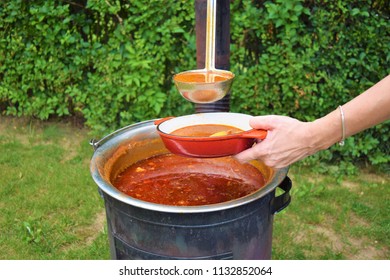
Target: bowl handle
x,y
159,121
254,133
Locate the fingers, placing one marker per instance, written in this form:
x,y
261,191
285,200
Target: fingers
x,y
245,156
263,122
258,154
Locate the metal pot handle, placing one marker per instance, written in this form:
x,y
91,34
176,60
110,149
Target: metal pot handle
x,y
97,143
282,201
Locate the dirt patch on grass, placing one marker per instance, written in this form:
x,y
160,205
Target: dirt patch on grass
x,y
352,186
29,131
365,251
376,178
366,179
91,232
96,228
330,236
88,234
352,248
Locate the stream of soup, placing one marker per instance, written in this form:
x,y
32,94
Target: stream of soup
x,y
173,180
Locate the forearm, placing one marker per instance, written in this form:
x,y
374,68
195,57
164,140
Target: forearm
x,y
369,108
366,110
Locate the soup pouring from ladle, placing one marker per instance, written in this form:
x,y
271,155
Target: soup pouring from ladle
x,y
209,84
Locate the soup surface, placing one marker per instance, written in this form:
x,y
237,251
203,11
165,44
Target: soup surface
x,y
173,180
206,77
205,130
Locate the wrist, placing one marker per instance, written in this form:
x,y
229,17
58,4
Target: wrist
x,y
326,131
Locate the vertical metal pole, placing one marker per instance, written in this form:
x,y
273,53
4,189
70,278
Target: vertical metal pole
x,y
222,47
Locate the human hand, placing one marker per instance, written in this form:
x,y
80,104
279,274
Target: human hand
x,y
288,140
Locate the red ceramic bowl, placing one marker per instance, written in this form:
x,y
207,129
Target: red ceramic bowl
x,y
207,147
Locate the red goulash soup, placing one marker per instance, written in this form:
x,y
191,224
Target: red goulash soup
x,y
204,130
173,180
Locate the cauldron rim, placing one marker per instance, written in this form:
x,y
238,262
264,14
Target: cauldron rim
x,y
114,140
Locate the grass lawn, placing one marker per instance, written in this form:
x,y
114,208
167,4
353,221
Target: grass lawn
x,y
50,207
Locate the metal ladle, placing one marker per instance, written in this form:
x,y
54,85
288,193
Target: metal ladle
x,y
209,84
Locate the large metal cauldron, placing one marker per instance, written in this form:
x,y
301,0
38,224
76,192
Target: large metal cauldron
x,y
238,229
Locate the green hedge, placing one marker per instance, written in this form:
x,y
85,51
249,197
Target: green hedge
x,y
304,58
111,62
106,61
